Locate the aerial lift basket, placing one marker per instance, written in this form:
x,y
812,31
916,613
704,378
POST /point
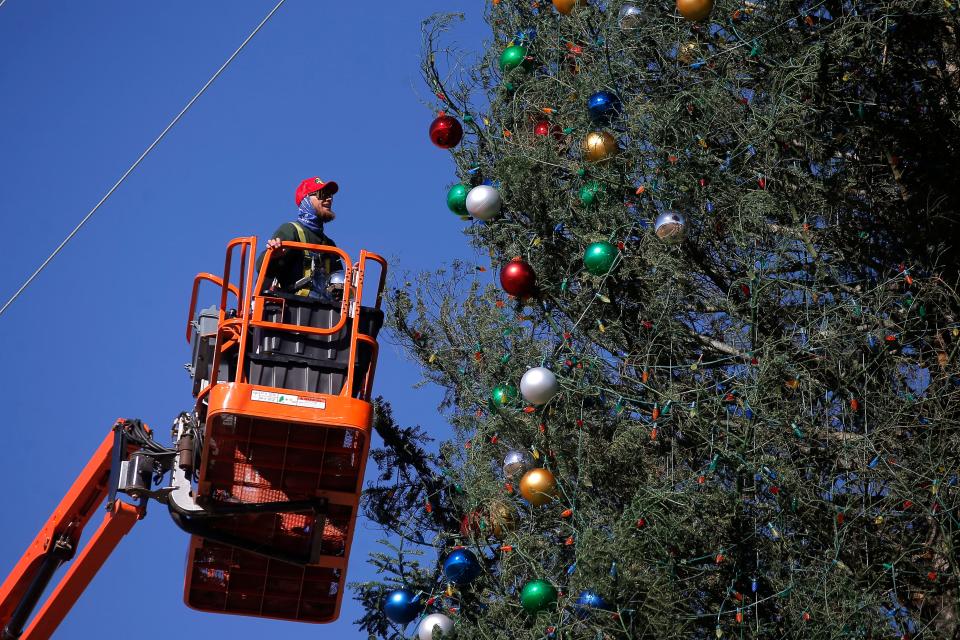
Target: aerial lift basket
x,y
282,422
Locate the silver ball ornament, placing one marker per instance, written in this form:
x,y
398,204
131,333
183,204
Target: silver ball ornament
x,y
538,385
670,227
426,626
630,16
484,202
516,463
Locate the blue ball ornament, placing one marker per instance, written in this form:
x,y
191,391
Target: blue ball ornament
x,y
402,606
588,601
603,105
461,567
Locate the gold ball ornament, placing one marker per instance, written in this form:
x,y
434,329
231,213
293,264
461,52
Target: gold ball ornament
x,y
599,146
688,52
501,519
538,486
694,10
567,6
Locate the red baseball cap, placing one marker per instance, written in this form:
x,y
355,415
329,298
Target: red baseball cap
x,y
314,184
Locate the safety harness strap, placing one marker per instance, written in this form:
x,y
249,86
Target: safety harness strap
x,y
310,262
307,262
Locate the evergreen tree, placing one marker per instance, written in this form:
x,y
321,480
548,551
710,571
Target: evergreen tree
x,y
745,268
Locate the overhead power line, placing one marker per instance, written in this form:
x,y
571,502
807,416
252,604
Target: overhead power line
x,y
142,156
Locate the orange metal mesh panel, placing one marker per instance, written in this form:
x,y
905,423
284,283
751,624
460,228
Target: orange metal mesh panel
x,y
223,579
279,461
253,460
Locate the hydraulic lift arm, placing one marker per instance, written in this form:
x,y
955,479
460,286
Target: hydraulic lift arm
x,y
128,461
58,540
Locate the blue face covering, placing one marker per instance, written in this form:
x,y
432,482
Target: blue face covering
x,y
308,217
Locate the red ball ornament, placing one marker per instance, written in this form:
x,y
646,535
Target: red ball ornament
x,y
544,128
470,524
446,131
518,279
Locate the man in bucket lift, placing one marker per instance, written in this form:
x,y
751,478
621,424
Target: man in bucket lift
x,y
304,273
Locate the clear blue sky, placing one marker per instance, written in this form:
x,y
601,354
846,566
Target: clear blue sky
x,y
328,88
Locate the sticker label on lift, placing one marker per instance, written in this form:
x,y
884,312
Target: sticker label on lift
x,y
286,398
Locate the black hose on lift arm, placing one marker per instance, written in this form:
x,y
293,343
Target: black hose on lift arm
x,y
140,434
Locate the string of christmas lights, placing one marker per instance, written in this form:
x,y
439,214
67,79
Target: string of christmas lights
x,y
707,385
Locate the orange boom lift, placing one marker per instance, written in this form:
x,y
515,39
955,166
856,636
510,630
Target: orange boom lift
x,y
265,472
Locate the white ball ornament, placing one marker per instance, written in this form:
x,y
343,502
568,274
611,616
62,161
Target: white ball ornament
x,y
538,385
484,202
630,17
427,625
670,226
516,463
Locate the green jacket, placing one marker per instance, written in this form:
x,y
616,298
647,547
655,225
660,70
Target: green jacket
x,y
290,267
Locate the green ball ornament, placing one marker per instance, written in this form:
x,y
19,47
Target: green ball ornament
x,y
599,257
513,57
504,394
537,595
590,194
457,199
